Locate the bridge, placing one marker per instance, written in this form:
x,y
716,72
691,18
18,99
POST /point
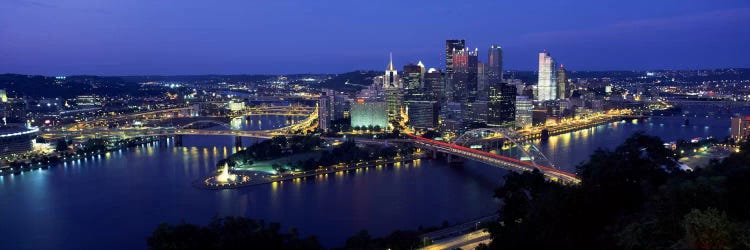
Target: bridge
x,y
308,123
529,157
154,114
291,110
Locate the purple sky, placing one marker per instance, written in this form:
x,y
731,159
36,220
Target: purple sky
x,y
132,37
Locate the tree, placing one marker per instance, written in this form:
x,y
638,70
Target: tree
x,y
709,229
228,233
62,145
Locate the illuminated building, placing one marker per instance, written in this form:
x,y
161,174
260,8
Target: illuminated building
x,y
235,106
88,101
412,79
502,104
325,109
740,129
482,82
547,84
3,96
464,80
365,114
450,47
562,82
15,140
434,85
423,114
494,67
393,91
524,114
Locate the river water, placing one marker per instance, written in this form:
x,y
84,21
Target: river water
x,y
115,201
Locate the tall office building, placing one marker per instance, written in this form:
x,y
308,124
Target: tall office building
x,y
434,85
495,64
482,82
423,114
411,77
502,104
562,83
464,80
524,112
450,47
326,109
547,85
393,91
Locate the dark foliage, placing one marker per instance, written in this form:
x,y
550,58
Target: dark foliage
x,y
226,234
630,198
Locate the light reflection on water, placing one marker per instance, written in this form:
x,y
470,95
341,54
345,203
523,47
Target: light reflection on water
x,y
569,149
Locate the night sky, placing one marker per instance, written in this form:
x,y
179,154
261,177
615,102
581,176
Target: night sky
x,y
134,37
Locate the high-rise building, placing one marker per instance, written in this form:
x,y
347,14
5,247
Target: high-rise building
x,y
326,109
450,47
547,85
423,114
502,104
494,68
482,82
464,80
562,83
323,113
393,91
524,112
411,77
369,114
434,85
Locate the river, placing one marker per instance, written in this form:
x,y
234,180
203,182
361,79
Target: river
x,y
115,201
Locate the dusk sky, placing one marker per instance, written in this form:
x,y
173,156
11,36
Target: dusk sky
x,y
136,37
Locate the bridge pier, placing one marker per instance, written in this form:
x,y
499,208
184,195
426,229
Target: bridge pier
x,y
238,142
545,135
178,140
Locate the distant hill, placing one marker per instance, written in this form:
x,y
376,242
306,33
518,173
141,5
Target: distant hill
x,y
71,86
350,81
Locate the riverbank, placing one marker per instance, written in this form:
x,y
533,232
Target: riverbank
x,y
260,178
55,160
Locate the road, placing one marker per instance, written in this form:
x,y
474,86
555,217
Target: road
x,y
466,241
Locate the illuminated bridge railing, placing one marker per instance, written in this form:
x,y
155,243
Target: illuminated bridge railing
x,y
495,160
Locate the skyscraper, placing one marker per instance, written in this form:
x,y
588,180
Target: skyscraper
x,y
524,112
450,46
562,82
464,80
502,104
393,94
412,77
547,85
483,82
495,64
434,85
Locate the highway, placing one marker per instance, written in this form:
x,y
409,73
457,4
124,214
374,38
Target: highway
x,y
465,241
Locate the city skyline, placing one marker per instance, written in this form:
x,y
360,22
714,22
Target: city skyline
x,y
71,38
